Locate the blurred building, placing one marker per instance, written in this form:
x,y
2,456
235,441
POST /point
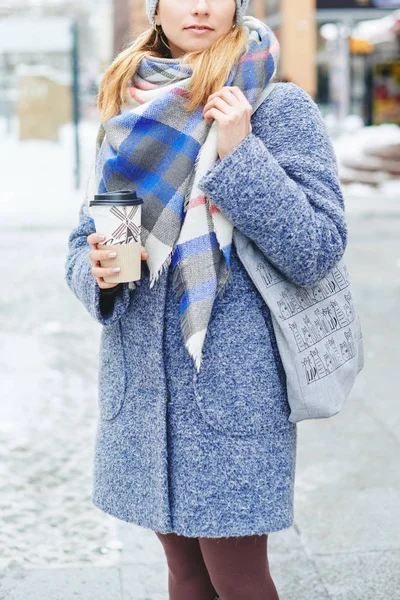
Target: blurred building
x,y
294,24
375,69
39,34
323,51
35,63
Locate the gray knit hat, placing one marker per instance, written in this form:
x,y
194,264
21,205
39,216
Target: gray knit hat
x,y
241,6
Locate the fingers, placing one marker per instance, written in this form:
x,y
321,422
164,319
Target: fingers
x,y
96,255
229,100
109,254
95,238
101,272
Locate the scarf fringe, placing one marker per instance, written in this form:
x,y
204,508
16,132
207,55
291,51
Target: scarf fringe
x,y
194,346
194,343
154,277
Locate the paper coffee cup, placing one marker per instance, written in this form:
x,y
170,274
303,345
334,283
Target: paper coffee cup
x,y
118,215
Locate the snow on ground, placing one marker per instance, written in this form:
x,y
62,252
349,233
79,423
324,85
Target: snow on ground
x,y
38,177
48,367
351,147
352,144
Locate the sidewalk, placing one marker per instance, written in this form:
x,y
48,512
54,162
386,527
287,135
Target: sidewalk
x,y
345,544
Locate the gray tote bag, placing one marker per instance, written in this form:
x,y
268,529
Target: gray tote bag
x,y
317,329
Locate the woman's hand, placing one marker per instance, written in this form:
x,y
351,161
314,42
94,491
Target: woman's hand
x,y
96,255
230,107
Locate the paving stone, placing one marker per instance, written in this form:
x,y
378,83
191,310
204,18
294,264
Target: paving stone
x,y
333,520
295,577
349,450
86,583
140,545
285,541
361,576
145,581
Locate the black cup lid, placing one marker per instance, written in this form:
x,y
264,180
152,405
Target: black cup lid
x,y
117,198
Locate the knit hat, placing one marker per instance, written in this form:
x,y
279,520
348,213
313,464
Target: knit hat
x,y
241,6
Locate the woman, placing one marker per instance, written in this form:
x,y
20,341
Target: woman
x,y
194,440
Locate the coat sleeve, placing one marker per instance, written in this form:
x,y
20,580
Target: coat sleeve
x,y
280,187
78,274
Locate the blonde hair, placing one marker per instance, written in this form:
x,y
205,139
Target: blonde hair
x,y
210,68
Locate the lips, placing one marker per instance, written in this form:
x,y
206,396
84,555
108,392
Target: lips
x,y
199,27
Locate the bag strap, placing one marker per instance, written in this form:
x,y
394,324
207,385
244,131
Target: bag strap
x,y
266,92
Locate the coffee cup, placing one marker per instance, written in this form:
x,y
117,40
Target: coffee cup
x,y
118,216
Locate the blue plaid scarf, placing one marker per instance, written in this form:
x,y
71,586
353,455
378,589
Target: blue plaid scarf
x,y
157,149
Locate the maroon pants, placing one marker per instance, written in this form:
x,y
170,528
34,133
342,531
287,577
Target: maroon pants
x,y
234,568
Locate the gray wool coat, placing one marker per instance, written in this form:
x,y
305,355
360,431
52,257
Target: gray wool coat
x,y
212,453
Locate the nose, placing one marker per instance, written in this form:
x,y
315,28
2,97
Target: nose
x,y
200,7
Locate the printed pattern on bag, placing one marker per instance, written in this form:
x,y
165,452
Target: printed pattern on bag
x,y
323,333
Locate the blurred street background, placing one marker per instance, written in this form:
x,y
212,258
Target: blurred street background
x,y
54,544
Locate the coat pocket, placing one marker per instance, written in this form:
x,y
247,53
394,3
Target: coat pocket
x,y
238,389
112,375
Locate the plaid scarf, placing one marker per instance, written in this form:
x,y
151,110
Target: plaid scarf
x,y
157,149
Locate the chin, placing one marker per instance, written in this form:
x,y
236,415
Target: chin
x,y
197,47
